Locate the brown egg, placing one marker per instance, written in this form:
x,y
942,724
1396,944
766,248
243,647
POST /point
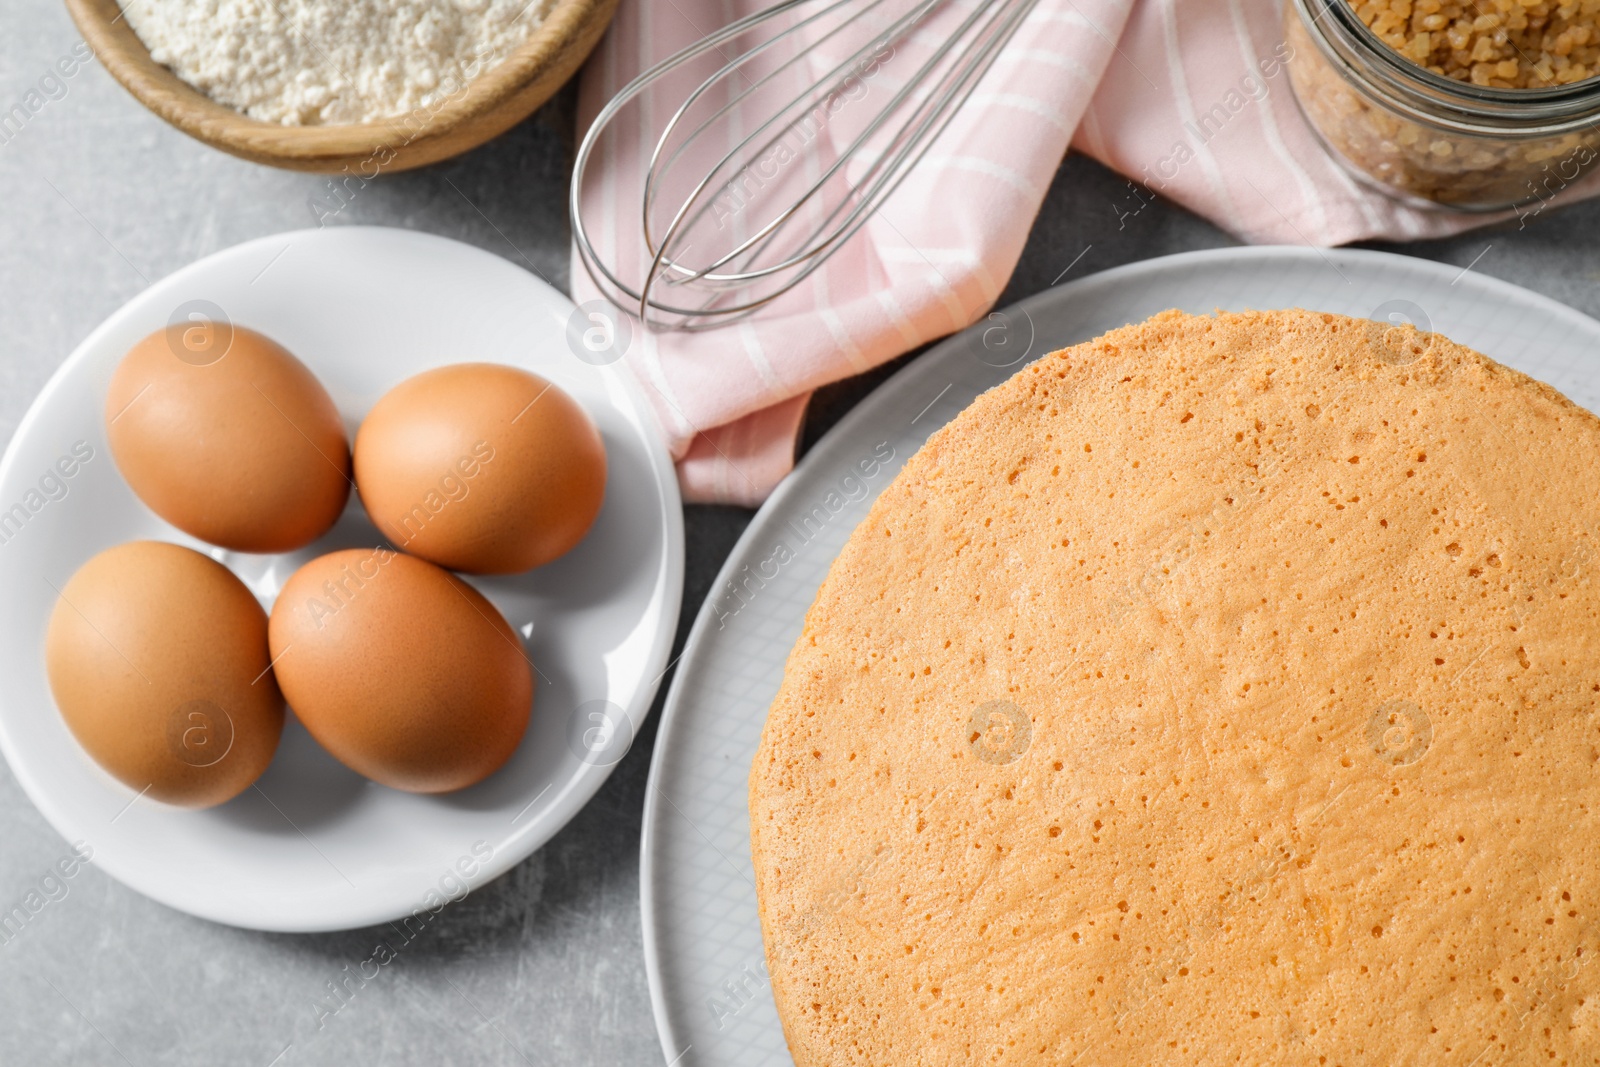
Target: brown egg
x,y
400,669
157,657
228,437
480,467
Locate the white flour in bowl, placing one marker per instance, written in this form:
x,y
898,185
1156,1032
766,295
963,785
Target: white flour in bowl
x,y
325,62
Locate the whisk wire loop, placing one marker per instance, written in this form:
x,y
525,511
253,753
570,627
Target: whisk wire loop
x,y
771,251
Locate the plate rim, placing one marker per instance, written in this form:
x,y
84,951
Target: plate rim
x,y
862,413
579,789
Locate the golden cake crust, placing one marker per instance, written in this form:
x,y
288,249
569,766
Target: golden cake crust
x,y
1222,690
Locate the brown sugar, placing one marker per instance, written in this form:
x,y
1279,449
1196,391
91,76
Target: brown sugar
x,y
1506,44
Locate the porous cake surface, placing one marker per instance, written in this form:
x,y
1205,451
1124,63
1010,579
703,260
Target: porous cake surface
x,y
1225,690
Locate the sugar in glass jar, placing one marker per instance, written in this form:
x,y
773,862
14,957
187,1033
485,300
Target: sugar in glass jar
x,y
1480,141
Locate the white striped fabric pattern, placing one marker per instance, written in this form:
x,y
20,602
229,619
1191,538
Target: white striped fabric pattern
x,y
1188,97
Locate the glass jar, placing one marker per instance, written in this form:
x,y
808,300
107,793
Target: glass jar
x,y
1427,139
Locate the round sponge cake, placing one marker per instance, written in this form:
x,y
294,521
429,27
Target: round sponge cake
x,y
1225,690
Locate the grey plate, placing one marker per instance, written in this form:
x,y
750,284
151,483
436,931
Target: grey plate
x,y
702,939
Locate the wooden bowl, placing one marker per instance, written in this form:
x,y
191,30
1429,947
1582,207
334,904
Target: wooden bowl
x,y
492,103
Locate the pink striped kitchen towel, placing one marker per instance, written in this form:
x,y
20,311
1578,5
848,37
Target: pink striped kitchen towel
x,y
1123,80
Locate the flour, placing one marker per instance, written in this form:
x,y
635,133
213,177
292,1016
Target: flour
x,y
325,62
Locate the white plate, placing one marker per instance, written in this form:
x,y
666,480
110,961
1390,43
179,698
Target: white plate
x,y
317,847
702,939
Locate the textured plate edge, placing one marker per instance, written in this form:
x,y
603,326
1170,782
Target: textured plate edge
x,y
580,789
672,1048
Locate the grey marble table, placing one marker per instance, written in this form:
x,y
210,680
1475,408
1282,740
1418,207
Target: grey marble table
x,y
99,198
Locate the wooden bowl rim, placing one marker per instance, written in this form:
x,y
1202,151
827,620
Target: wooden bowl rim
x,y
124,55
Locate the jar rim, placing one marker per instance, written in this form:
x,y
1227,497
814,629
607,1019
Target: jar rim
x,y
1435,99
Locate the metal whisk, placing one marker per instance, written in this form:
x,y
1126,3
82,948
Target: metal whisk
x,y
815,111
